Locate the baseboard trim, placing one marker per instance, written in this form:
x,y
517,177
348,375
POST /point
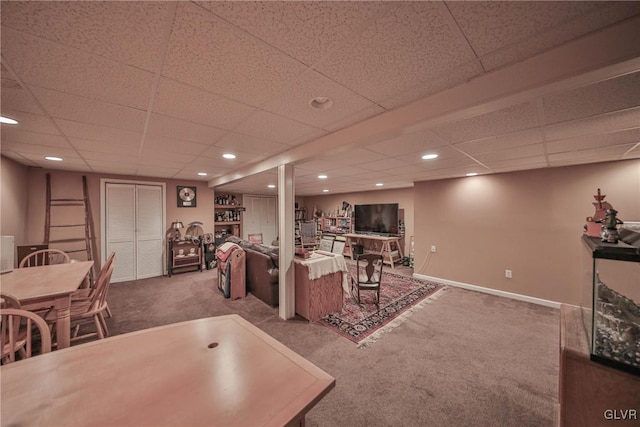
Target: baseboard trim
x,y
505,294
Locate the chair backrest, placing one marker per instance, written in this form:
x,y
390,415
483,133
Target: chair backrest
x,y
369,268
98,297
105,267
255,237
308,229
9,301
44,257
17,333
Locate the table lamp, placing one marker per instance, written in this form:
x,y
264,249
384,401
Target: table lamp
x,y
176,225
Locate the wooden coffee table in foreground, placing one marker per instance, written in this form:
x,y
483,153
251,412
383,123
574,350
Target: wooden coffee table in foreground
x,y
219,371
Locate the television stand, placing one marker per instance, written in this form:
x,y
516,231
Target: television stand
x,y
390,255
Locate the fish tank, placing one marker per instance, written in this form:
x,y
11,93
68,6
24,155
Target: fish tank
x,y
610,300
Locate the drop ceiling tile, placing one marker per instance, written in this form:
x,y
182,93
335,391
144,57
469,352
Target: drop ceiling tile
x,y
584,160
443,152
173,145
18,158
416,142
501,142
30,122
15,97
195,105
116,156
634,153
294,101
508,120
501,165
434,84
46,64
594,141
353,156
352,119
157,172
111,167
603,152
171,127
207,52
100,149
98,133
342,171
383,165
308,138
605,14
511,21
604,97
266,125
127,32
34,151
409,43
610,122
315,166
306,31
18,136
243,158
250,144
454,162
512,153
528,166
76,108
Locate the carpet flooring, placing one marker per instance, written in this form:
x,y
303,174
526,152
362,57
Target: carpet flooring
x,y
469,359
364,322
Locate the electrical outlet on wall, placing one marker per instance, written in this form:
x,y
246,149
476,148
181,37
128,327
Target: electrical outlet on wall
x,y
508,274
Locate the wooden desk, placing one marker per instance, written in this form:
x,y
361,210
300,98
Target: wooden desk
x,y
46,286
385,249
167,376
320,282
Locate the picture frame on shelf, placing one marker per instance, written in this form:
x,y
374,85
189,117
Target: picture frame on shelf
x,y
186,197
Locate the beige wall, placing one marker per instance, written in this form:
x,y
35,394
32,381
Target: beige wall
x,y
13,199
529,222
32,184
403,196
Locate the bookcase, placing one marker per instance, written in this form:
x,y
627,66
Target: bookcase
x,y
228,210
336,224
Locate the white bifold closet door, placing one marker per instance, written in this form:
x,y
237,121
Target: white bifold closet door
x,y
134,230
261,216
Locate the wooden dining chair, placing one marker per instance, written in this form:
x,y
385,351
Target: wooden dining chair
x,y
93,308
9,301
85,293
16,335
368,276
44,257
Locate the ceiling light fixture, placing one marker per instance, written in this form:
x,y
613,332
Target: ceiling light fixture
x,y
322,176
379,184
321,103
202,173
8,121
326,190
271,186
472,174
429,156
53,159
229,156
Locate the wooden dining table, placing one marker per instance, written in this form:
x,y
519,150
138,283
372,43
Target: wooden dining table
x,y
48,286
217,371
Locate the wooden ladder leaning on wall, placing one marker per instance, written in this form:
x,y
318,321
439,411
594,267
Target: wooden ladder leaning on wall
x,y
83,203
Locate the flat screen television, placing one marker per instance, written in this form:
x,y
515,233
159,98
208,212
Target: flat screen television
x,y
380,218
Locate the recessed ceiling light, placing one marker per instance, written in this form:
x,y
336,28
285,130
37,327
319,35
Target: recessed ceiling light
x,y
379,184
54,159
8,121
202,173
325,190
229,156
271,186
429,156
472,174
321,102
322,176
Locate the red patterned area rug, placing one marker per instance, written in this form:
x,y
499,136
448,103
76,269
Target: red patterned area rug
x,y
399,295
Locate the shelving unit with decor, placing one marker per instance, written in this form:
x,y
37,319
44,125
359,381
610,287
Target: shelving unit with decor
x,y
228,210
183,253
300,215
336,224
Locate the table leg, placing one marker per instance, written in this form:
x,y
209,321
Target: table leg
x,y
63,321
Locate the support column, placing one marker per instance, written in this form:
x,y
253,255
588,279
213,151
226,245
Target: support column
x,y
286,226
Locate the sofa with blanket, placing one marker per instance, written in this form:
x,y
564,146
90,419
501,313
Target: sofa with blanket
x,y
262,270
